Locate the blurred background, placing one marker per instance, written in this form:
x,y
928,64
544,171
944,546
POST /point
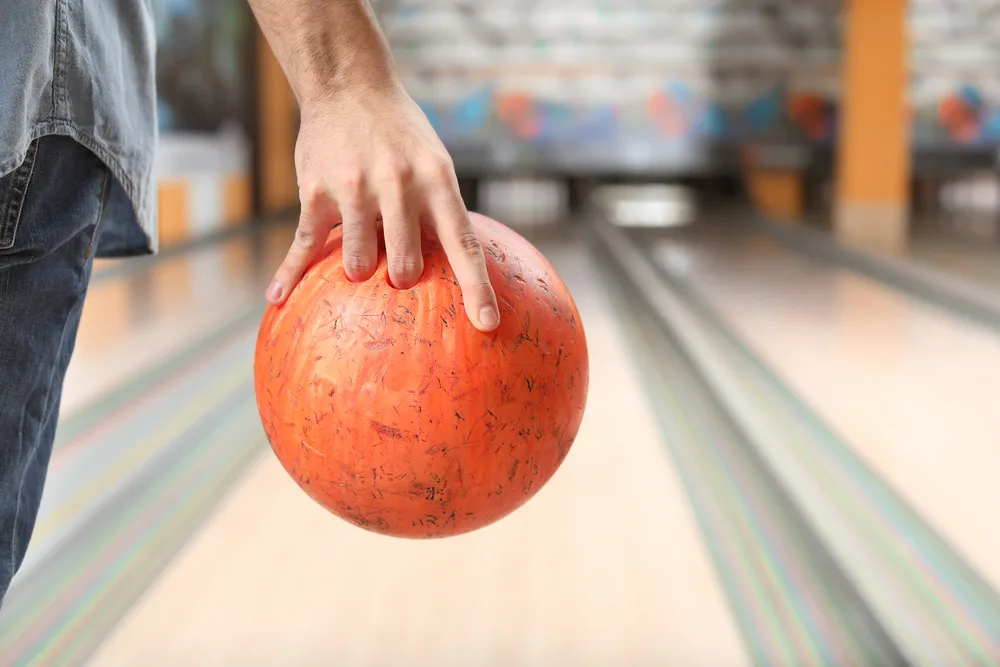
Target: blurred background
x,y
779,219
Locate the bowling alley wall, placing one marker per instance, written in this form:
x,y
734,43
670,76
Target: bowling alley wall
x,y
560,86
656,84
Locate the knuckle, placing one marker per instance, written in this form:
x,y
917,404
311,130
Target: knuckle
x,y
469,245
311,193
357,264
439,169
352,183
406,265
352,203
306,237
396,173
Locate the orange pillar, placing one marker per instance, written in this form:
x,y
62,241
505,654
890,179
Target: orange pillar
x,y
278,118
777,193
174,212
873,169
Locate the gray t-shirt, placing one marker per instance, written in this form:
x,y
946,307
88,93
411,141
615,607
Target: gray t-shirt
x,y
86,69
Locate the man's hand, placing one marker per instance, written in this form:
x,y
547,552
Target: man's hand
x,y
366,152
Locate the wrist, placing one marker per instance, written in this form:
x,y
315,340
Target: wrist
x,y
366,95
327,48
343,51
349,80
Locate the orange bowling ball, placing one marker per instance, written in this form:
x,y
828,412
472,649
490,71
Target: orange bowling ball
x,y
392,411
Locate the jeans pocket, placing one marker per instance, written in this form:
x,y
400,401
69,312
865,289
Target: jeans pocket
x,y
13,191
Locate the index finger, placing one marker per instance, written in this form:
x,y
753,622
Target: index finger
x,y
465,254
315,222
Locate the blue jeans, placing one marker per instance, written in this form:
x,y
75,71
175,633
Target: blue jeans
x,y
50,210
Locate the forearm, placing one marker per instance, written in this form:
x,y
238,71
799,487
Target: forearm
x,y
325,45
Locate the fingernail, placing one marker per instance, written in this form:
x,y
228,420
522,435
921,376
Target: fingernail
x,y
274,291
488,316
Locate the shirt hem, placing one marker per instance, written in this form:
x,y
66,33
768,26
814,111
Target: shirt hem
x,y
138,196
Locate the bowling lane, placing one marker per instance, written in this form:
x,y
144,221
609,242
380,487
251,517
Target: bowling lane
x,y
137,327
973,260
605,566
906,385
159,419
139,312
